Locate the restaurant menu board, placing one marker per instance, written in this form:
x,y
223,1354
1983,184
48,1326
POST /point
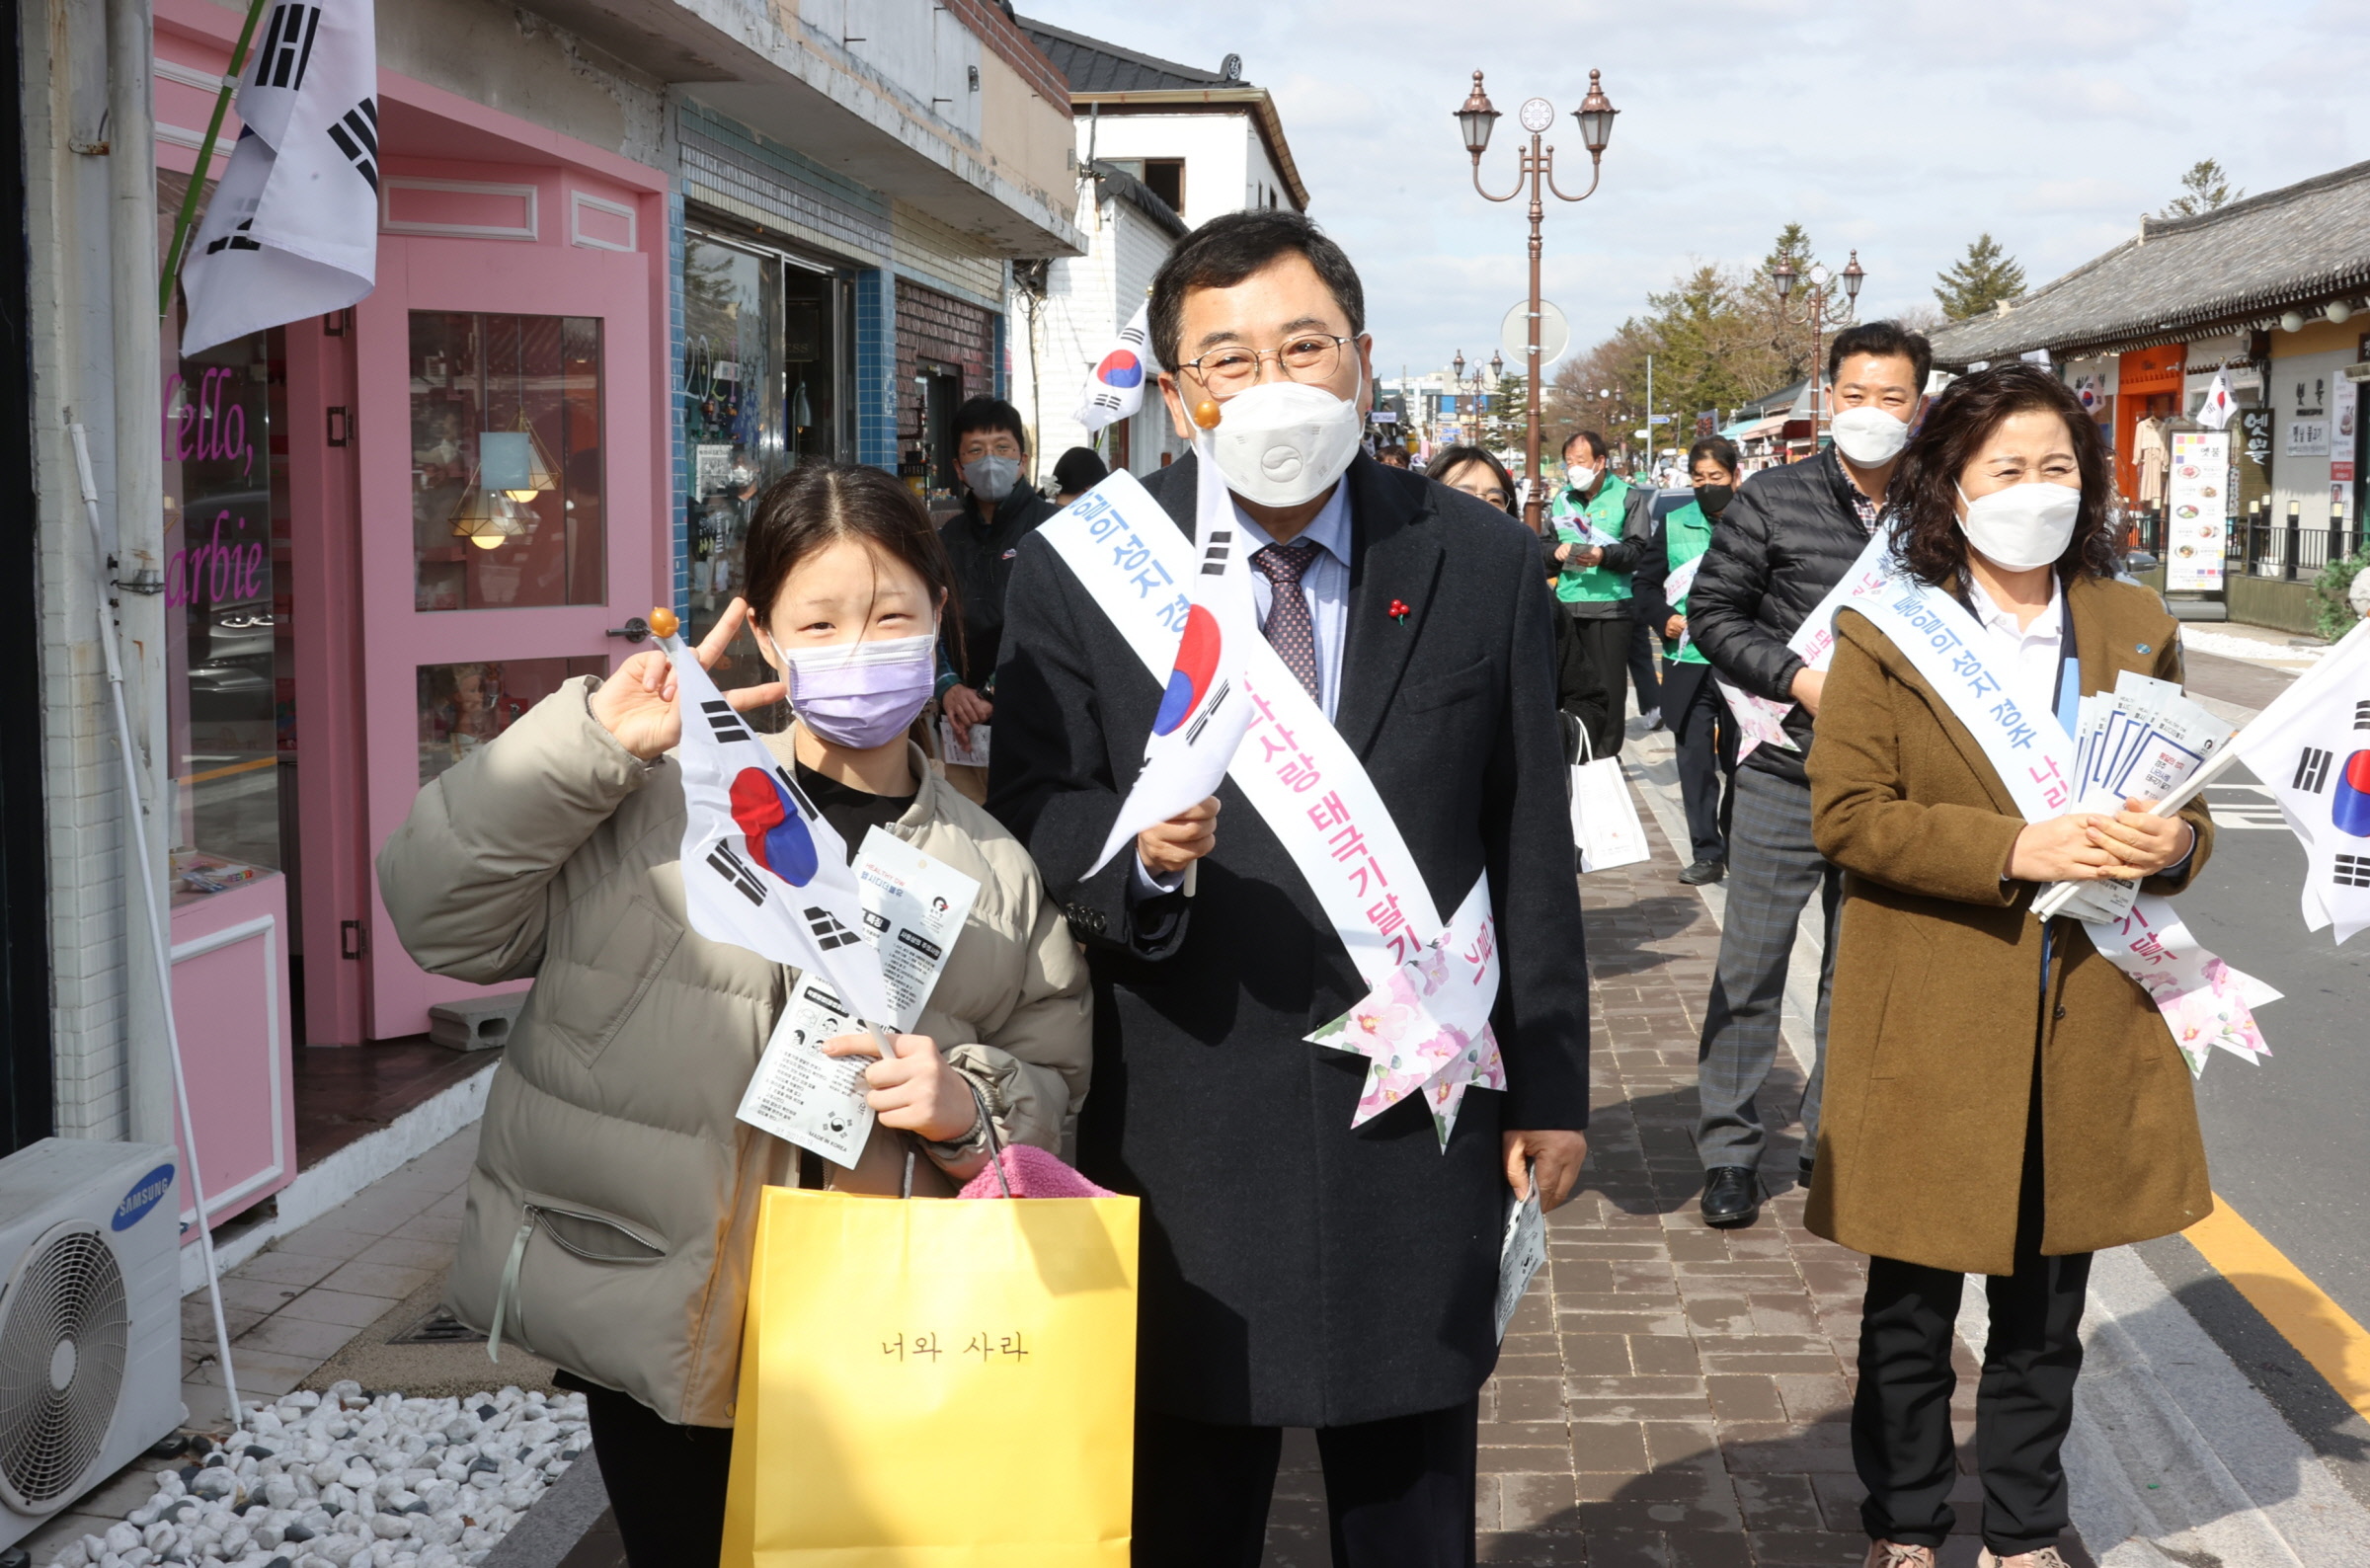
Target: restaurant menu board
x,y
2196,493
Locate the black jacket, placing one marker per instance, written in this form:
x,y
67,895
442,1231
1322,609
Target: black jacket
x,y
982,554
1783,543
1297,1271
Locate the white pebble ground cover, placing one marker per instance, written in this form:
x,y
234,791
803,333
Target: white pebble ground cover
x,y
350,1479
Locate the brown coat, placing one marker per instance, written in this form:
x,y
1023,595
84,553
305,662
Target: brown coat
x,y
1937,986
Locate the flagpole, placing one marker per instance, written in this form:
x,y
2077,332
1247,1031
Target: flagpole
x,y
206,161
137,869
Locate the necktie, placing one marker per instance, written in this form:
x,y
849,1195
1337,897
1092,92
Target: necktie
x,y
1289,629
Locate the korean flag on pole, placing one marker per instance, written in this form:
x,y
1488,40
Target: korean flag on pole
x,y
2312,747
1115,389
1204,711
292,229
761,868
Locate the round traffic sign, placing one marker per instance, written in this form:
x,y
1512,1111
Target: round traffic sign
x,y
1554,333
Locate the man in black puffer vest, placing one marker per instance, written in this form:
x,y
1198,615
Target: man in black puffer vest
x,y
1783,543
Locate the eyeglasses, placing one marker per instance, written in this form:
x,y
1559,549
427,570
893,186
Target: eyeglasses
x,y
1312,357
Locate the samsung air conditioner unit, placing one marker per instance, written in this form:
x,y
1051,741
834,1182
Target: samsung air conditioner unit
x,y
90,1318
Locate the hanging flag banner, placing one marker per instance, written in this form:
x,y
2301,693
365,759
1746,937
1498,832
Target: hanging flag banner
x,y
1424,1027
2219,407
2204,1002
292,229
1115,388
762,867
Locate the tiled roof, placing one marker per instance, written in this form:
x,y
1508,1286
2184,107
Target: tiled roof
x,y
2235,266
1122,186
1095,66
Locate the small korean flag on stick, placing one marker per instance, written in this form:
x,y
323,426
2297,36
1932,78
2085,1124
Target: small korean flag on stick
x,y
2311,747
1204,710
1115,388
762,867
293,230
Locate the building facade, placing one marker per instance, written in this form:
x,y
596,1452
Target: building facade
x,y
633,262
1160,148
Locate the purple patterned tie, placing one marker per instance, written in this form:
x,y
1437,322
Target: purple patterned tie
x,y
1288,626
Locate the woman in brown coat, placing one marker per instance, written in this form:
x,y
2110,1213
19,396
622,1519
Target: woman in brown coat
x,y
2001,1099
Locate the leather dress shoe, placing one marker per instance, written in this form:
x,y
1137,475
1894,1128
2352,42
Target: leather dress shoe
x,y
1731,1195
1704,871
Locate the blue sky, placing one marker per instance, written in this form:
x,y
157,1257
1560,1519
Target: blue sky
x,y
1900,128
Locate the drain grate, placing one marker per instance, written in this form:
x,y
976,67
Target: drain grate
x,y
440,1328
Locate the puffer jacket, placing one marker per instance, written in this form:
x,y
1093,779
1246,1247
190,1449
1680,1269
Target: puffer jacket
x,y
611,1159
1783,543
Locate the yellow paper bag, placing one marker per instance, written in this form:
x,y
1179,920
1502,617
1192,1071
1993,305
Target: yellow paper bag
x,y
936,1385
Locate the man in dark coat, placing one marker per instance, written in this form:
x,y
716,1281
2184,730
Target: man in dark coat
x,y
1297,1271
999,510
1782,546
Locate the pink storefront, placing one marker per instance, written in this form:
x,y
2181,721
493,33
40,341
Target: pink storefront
x,y
390,531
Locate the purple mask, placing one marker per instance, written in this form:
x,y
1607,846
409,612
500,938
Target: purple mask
x,y
860,695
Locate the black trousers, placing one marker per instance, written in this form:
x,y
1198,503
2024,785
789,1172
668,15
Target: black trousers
x,y
1706,734
1642,641
665,1481
1901,1441
1606,640
1399,1492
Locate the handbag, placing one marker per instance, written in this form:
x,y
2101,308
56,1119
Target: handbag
x,y
950,1383
1605,821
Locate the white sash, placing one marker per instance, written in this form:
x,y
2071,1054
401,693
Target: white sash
x,y
2204,1002
1314,795
1761,719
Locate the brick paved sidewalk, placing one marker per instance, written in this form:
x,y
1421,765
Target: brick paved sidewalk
x,y
1669,1394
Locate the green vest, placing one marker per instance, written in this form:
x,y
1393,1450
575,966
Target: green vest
x,y
1607,513
1687,535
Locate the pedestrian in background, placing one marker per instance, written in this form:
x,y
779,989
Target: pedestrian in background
x,y
1783,543
614,1198
1075,472
992,449
1602,527
1392,456
1580,696
2001,1099
1701,726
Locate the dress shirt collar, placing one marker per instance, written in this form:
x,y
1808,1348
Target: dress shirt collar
x,y
2049,625
1328,531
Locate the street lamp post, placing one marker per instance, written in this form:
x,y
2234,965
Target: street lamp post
x,y
1814,301
1476,120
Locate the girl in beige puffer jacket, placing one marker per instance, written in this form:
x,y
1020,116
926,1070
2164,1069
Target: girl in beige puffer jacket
x,y
613,1182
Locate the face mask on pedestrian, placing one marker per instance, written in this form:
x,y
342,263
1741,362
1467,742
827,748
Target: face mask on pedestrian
x,y
1282,443
2023,526
860,695
1714,499
991,478
1869,437
1579,475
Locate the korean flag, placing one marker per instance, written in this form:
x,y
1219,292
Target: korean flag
x,y
2312,747
1115,388
1204,709
292,229
761,868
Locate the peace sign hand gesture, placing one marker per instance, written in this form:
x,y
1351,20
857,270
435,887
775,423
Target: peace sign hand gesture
x,y
641,704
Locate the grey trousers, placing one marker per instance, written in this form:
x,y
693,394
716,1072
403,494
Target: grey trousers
x,y
1774,867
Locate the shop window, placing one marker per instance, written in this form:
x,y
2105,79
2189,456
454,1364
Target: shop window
x,y
229,650
767,357
463,706
507,494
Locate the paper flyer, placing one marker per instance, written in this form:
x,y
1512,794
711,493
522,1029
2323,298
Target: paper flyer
x,y
914,910
1518,1258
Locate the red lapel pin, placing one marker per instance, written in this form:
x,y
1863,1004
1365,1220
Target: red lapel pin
x,y
1399,610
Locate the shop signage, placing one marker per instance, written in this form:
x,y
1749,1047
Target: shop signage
x,y
2308,437
204,425
2195,494
2345,400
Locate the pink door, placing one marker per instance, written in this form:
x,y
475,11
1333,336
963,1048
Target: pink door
x,y
511,475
